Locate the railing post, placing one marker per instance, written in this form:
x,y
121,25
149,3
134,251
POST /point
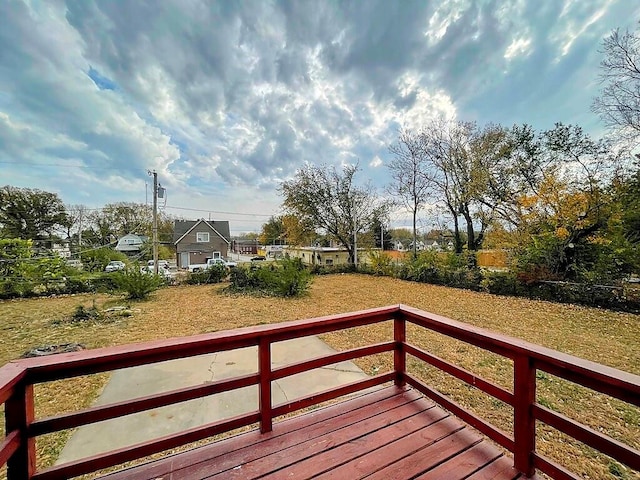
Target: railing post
x,y
264,369
19,413
524,424
399,352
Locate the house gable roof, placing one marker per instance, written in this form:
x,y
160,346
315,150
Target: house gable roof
x,y
183,228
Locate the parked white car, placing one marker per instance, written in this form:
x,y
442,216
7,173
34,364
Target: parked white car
x,y
163,268
114,266
161,264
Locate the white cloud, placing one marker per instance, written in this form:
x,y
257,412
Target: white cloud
x,y
376,162
573,24
518,47
445,15
225,114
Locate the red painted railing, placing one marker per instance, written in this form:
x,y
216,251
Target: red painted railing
x,y
17,379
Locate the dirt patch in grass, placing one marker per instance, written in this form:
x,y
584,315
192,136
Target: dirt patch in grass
x,y
606,337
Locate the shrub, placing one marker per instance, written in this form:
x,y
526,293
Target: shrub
x,y
290,280
213,274
331,269
381,263
102,282
82,314
583,293
78,284
286,278
449,269
501,283
243,279
96,260
137,284
16,287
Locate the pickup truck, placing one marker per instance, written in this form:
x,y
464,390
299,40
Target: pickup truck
x,y
210,263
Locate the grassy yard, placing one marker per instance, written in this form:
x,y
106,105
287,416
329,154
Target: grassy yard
x,y
607,337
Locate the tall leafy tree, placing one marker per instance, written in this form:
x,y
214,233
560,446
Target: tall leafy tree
x,y
31,214
114,220
297,232
273,231
628,193
331,201
519,171
563,219
402,235
286,230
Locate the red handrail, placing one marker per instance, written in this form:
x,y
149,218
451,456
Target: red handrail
x,y
18,377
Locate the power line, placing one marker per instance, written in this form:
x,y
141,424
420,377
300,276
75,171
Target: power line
x,y
97,209
70,165
219,211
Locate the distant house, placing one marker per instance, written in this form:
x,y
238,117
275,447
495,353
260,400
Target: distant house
x,y
397,245
246,247
435,246
419,245
274,251
326,256
59,247
197,241
131,244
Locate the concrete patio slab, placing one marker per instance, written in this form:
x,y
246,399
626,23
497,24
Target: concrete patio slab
x,y
164,376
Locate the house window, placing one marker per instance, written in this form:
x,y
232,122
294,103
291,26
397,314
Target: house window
x,y
328,261
202,237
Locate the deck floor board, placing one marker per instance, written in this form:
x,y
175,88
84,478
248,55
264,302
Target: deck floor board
x,y
393,433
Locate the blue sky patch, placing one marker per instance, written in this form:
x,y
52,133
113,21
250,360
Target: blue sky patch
x,y
102,82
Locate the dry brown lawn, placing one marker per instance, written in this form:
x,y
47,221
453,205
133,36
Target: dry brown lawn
x,y
603,336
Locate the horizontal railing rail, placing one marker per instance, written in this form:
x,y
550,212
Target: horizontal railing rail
x,y
136,405
18,377
528,358
18,449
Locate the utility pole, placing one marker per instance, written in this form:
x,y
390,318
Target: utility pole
x,y
155,221
80,233
355,239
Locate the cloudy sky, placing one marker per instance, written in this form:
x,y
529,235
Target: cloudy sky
x,y
226,99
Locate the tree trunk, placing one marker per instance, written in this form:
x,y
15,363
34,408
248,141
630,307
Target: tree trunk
x,y
456,233
415,235
471,234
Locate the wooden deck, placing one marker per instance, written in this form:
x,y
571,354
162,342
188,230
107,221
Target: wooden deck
x,y
393,433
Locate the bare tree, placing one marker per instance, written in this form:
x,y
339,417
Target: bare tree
x,y
461,157
78,215
619,101
410,183
331,201
446,145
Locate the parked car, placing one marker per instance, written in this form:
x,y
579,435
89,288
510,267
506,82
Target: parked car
x,y
163,270
114,266
258,258
161,264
